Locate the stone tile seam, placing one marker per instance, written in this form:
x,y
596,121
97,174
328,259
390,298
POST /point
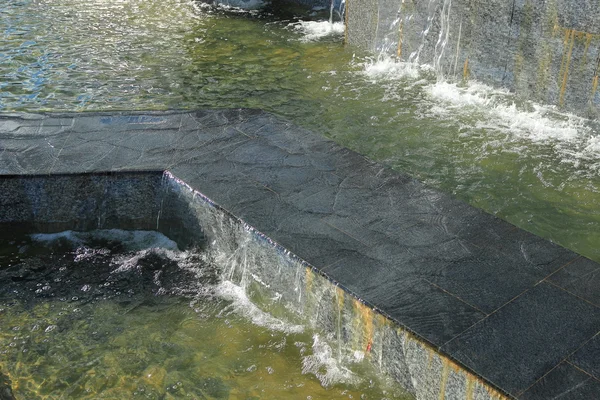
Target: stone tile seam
x,y
260,184
566,359
488,316
583,370
60,151
344,232
572,294
589,273
187,157
546,279
456,297
522,293
187,160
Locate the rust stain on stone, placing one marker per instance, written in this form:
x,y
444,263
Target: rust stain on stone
x,y
568,42
346,9
445,373
400,38
470,387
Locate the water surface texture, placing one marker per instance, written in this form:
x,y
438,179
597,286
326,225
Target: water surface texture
x,y
527,163
125,315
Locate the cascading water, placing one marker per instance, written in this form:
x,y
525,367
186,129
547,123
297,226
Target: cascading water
x,y
432,10
138,318
442,41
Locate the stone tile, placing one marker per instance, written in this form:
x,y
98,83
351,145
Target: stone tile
x,y
483,284
284,180
121,122
565,382
581,277
588,357
99,157
254,153
424,309
487,281
524,340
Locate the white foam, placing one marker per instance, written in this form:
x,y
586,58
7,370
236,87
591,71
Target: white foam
x,y
316,30
325,366
235,5
242,305
131,240
494,110
389,68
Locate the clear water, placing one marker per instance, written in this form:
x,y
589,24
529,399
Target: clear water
x,y
124,315
526,163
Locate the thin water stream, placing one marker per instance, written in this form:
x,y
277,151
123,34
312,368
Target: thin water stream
x,y
527,163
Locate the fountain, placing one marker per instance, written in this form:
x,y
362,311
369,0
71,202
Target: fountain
x,y
548,51
433,292
446,299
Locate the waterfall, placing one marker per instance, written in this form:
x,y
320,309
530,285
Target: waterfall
x,y
442,41
414,57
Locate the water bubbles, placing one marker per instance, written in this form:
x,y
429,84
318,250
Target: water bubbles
x,y
86,288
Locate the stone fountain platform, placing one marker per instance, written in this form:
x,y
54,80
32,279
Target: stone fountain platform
x,y
516,310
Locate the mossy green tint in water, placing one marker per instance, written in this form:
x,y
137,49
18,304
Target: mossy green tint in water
x,y
93,317
523,162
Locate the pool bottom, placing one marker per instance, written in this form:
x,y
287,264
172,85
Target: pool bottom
x,y
88,316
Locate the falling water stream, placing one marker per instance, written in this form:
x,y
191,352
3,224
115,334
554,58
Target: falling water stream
x,y
528,163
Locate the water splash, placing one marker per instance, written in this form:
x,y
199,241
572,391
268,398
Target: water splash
x,y
317,30
325,366
497,111
390,68
243,306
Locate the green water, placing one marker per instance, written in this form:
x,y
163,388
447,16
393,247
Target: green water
x,y
533,167
99,320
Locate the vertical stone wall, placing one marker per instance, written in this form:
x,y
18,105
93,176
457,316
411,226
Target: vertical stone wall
x,y
353,329
546,51
82,202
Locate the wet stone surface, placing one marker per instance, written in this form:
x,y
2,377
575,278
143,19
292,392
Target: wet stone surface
x,y
508,305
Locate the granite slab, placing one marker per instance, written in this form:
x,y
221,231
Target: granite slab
x,y
514,309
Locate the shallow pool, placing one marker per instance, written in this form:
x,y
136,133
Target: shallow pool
x,y
115,314
527,163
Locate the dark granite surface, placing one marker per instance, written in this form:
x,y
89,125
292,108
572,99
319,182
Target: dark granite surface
x,y
565,382
515,309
